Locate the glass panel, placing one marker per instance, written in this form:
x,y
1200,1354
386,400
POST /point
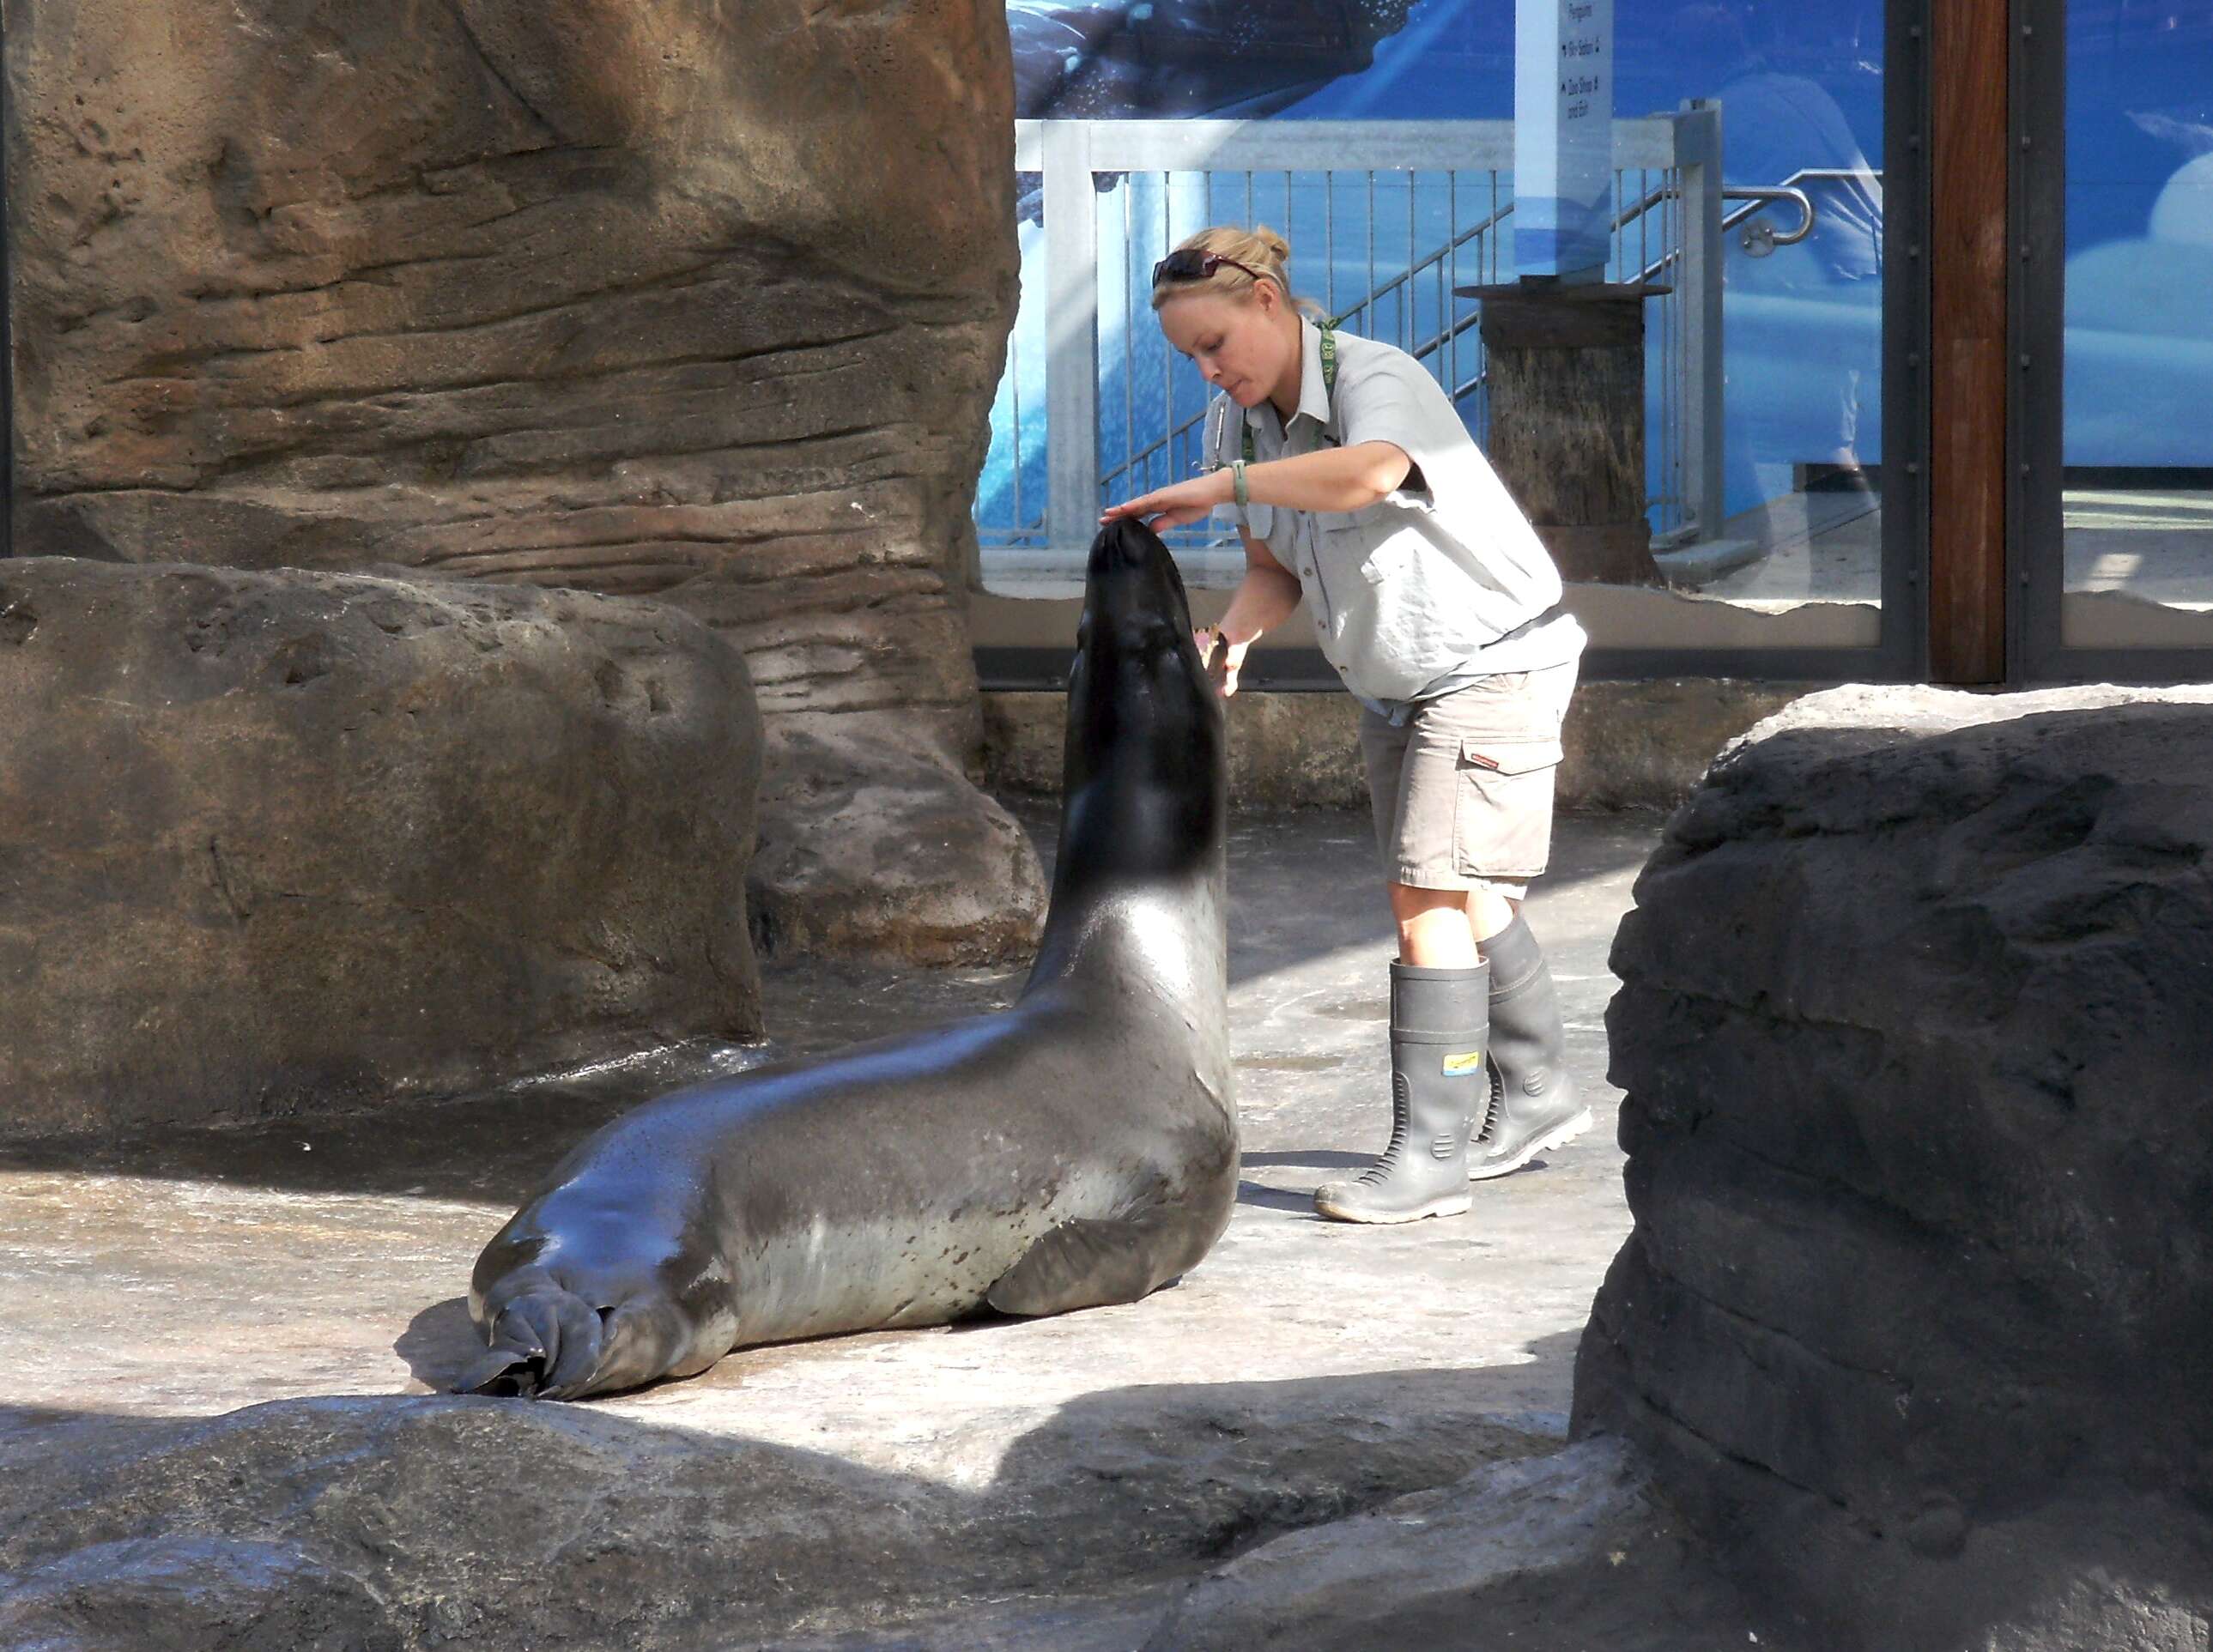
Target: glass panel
x,y
1791,404
2138,446
1801,97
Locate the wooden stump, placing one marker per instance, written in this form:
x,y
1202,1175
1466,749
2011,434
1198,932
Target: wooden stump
x,y
1567,421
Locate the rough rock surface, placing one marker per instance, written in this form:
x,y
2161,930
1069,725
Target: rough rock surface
x,y
587,1528
1557,1553
871,849
280,841
647,297
1915,1016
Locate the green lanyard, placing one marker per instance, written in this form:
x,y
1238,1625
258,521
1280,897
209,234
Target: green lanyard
x,y
1328,384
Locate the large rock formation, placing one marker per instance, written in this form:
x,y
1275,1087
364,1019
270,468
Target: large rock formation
x,y
299,839
647,297
1915,1024
392,1523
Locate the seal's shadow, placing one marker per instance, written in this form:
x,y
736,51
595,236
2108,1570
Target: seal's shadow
x,y
439,1342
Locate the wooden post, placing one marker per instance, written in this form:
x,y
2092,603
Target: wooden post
x,y
1567,421
1969,51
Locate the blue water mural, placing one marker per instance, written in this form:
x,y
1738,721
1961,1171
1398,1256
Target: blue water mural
x,y
1801,90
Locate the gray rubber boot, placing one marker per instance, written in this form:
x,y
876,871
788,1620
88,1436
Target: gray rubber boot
x,y
1436,1084
1533,1105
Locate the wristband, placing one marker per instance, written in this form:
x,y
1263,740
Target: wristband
x,y
1237,482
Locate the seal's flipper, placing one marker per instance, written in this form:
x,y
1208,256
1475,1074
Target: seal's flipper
x,y
645,1340
1089,1263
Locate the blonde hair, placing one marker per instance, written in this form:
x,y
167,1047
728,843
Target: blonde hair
x,y
1260,246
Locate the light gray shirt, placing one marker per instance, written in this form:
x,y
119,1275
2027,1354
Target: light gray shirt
x,y
1442,581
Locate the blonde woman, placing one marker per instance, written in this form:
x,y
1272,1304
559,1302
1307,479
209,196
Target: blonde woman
x,y
1357,490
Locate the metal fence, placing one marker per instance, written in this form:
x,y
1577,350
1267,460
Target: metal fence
x,y
1385,220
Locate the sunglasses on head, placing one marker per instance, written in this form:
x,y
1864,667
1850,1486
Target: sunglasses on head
x,y
1189,263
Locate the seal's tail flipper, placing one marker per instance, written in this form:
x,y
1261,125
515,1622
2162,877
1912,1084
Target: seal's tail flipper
x,y
545,1346
1090,1263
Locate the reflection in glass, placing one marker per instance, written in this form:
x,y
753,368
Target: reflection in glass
x,y
1801,105
2138,446
1798,423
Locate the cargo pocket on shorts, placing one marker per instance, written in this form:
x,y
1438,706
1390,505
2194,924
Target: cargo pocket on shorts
x,y
1503,807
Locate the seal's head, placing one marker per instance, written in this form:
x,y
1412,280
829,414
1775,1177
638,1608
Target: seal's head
x,y
1133,595
1144,720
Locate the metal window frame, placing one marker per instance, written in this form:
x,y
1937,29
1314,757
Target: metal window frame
x,y
7,304
1902,655
1900,652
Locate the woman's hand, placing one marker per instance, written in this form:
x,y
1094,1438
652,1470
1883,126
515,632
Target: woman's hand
x,y
1176,506
1223,658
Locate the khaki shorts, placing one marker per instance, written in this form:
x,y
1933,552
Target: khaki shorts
x,y
1463,789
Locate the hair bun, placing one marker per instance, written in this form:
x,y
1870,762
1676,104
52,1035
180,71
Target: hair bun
x,y
1279,250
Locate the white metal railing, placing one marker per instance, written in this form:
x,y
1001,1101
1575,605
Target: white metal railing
x,y
1385,219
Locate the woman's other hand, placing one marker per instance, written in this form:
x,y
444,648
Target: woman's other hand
x,y
1223,658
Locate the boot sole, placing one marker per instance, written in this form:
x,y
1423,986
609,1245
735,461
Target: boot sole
x,y
1557,1137
1449,1204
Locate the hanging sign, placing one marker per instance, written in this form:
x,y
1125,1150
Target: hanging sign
x,y
1563,137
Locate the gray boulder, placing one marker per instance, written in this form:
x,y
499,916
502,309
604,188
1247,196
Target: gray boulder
x,y
871,847
284,841
1915,1019
1553,1553
426,1521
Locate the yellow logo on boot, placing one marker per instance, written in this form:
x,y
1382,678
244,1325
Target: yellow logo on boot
x,y
1458,1066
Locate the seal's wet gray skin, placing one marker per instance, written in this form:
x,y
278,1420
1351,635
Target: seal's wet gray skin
x,y
1077,1149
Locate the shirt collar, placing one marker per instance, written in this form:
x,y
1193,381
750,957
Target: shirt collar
x,y
1314,388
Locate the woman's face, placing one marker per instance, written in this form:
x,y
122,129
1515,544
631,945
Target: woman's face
x,y
1239,343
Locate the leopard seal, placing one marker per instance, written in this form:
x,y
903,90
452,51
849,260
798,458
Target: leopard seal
x,y
1077,1149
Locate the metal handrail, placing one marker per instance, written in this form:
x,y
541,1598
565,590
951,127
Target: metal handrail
x,y
1761,199
1621,221
1681,148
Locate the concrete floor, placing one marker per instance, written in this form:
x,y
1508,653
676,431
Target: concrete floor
x,y
199,1272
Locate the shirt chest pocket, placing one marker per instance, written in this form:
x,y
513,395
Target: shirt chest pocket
x,y
1360,544
1340,540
